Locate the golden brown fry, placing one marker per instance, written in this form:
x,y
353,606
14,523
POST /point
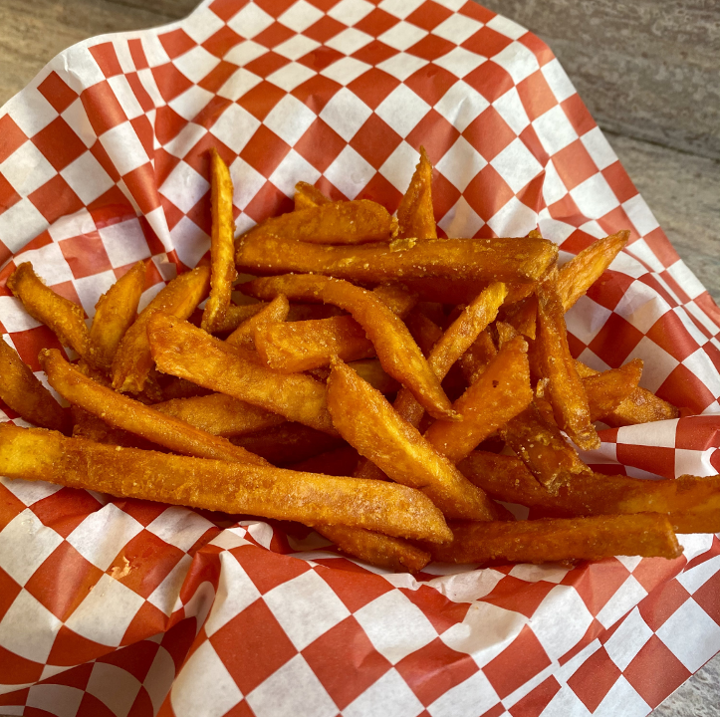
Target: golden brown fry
x,y
38,454
368,422
509,260
244,335
21,391
236,315
582,271
86,425
475,360
188,352
180,298
369,370
553,539
222,245
64,318
607,390
307,196
424,330
131,415
523,316
114,313
398,353
415,213
462,291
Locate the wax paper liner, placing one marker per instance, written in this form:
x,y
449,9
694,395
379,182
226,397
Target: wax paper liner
x,y
122,607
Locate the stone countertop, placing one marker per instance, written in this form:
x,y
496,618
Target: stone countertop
x,y
648,72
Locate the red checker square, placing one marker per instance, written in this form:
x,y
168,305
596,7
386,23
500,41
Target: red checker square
x,y
566,210
429,15
445,195
518,595
144,511
91,706
145,133
274,7
377,22
431,47
543,53
373,86
592,633
441,612
143,187
435,133
435,669
316,92
477,12
532,142
274,35
85,255
431,82
142,706
9,590
355,589
676,289
29,342
199,156
261,99
102,107
59,143
489,134
537,700
148,620
99,152
320,58
619,181
64,510
265,151
56,92
55,199
531,194
77,677
594,678
517,663
375,140
345,644
209,114
610,288
374,53
140,92
17,670
576,346
700,434
488,192
330,190
252,646
8,195
242,709
708,306
379,190
497,711
574,164
596,583
218,76
221,42
320,145
172,214
323,5
577,241
201,213
178,639
578,114
615,340
659,460
661,246
670,333
713,354
107,59
5,254
170,81
176,42
268,570
137,53
618,218
325,28
168,124
11,137
63,581
655,672
661,603
486,42
684,389
114,198
225,9
10,507
707,596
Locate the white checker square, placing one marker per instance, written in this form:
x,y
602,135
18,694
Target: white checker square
x,y
125,96
622,698
470,698
165,596
399,166
14,316
554,130
293,169
687,281
518,60
700,365
390,696
402,66
38,543
159,678
103,534
77,118
628,640
694,463
122,50
290,76
180,527
124,148
549,572
250,21
190,241
402,36
586,318
247,182
290,119
593,229
291,691
230,538
506,27
204,686
459,61
32,112
566,702
511,109
640,215
239,83
553,187
189,103
349,41
402,109
28,628
598,147
691,634
235,127
350,173
350,12
644,253
92,618
196,63
87,178
49,263
461,163
91,288
184,187
59,700
300,16
515,219
694,545
660,433
21,223
461,104
147,79
198,606
154,51
261,532
626,597
557,79
29,492
27,169
395,626
694,578
553,229
202,24
516,165
306,607
246,51
115,687
124,243
345,70
461,220
594,197
400,8
457,28
296,47
642,306
345,112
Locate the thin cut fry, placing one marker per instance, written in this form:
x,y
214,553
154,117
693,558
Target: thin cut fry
x,y
244,335
307,196
114,313
64,318
21,391
222,244
180,298
415,213
607,390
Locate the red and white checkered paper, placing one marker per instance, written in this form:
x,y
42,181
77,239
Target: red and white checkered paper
x,y
125,607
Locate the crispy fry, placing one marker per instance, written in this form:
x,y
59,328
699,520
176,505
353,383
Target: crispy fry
x,y
131,415
607,390
38,454
23,392
236,315
523,316
509,260
424,331
553,539
415,213
244,335
462,290
86,425
368,423
287,443
222,244
114,313
185,351
307,196
475,360
180,297
64,318
398,353
369,370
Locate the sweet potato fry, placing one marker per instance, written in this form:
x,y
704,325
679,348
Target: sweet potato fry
x,y
38,454
607,390
553,539
398,353
368,422
86,425
222,244
369,370
23,392
187,352
424,330
180,298
272,313
475,360
64,318
415,213
236,315
114,313
461,290
307,196
131,415
509,260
